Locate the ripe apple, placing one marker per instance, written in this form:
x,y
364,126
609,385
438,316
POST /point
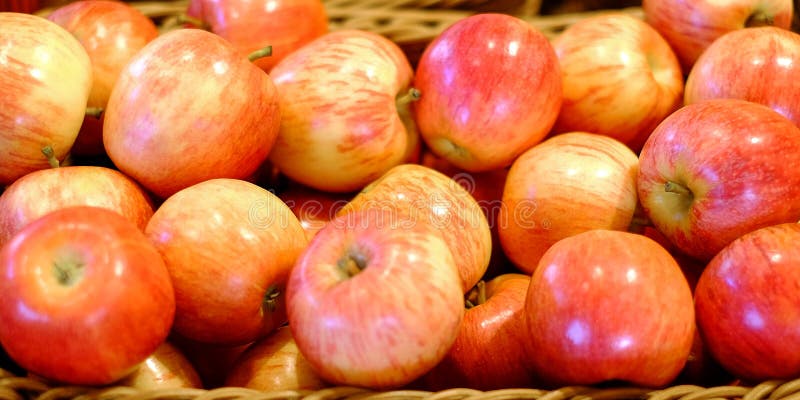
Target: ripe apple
x,y
46,75
490,89
313,208
375,300
747,304
86,296
111,32
691,26
188,108
43,191
620,78
274,363
167,367
286,25
608,305
486,354
344,108
736,66
424,195
228,246
715,170
568,184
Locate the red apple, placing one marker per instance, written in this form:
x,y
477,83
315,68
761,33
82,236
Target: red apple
x,y
490,89
43,191
272,364
313,208
344,114
228,246
620,78
748,305
424,195
86,296
691,26
486,354
715,170
188,108
166,368
286,25
568,184
46,75
737,66
608,305
111,32
375,300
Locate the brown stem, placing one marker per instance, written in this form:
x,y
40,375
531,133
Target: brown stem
x,y
759,18
352,264
476,296
260,53
413,94
271,298
96,112
677,188
196,22
51,156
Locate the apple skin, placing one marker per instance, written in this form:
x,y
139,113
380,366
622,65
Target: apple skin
x,y
424,195
720,153
486,354
274,363
691,26
472,112
375,300
566,185
313,208
607,305
85,281
43,191
46,86
166,368
286,25
228,246
620,78
188,108
342,123
747,304
734,66
111,32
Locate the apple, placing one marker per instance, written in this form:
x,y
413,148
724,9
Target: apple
x,y
228,246
375,300
166,368
691,26
568,184
423,195
43,191
46,76
747,304
189,108
486,354
313,208
715,170
86,296
286,25
736,66
607,305
620,78
344,106
272,364
490,89
111,32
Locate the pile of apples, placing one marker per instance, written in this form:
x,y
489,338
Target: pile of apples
x,y
253,200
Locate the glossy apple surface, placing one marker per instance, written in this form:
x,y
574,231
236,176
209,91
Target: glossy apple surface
x,y
374,301
737,66
747,304
716,170
188,108
228,246
620,78
166,368
473,110
568,184
608,305
87,282
691,26
344,118
46,76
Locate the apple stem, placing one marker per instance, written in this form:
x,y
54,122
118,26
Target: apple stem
x,y
413,94
51,156
182,19
260,53
96,112
351,264
68,272
271,298
759,19
476,296
672,187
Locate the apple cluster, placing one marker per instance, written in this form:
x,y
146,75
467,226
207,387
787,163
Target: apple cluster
x,y
252,200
